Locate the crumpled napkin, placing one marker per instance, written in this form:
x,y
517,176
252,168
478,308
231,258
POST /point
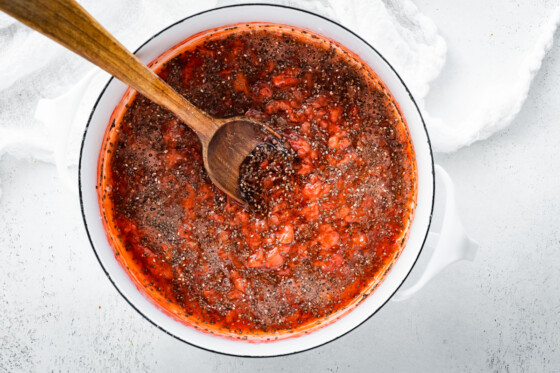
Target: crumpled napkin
x,y
34,67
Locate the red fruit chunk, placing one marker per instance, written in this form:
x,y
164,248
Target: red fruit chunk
x,y
273,258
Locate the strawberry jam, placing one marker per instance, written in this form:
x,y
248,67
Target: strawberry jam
x,y
331,229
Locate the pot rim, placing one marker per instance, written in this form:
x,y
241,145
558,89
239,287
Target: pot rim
x,y
83,213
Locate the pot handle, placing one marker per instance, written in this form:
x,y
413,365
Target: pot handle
x,y
451,244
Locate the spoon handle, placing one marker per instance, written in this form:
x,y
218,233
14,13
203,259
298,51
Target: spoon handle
x,y
67,23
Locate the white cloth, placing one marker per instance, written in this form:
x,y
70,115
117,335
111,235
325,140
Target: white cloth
x,y
34,69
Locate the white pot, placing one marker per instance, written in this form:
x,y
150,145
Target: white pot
x,y
455,243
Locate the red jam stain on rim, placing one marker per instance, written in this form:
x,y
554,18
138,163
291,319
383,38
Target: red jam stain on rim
x,y
323,248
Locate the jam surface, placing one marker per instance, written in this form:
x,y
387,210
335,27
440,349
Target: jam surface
x,y
331,229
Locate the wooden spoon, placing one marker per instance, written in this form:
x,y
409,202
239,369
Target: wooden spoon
x,y
225,142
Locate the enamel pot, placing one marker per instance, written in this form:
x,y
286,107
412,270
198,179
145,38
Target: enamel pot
x,y
451,243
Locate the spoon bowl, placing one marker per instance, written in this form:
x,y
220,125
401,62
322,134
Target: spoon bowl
x,y
230,145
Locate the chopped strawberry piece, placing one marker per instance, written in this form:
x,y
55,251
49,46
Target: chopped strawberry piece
x,y
284,81
286,234
256,260
328,239
274,259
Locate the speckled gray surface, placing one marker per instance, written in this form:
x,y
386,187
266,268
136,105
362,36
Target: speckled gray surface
x,y
500,313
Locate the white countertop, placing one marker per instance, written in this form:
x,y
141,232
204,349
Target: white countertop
x,y
501,312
